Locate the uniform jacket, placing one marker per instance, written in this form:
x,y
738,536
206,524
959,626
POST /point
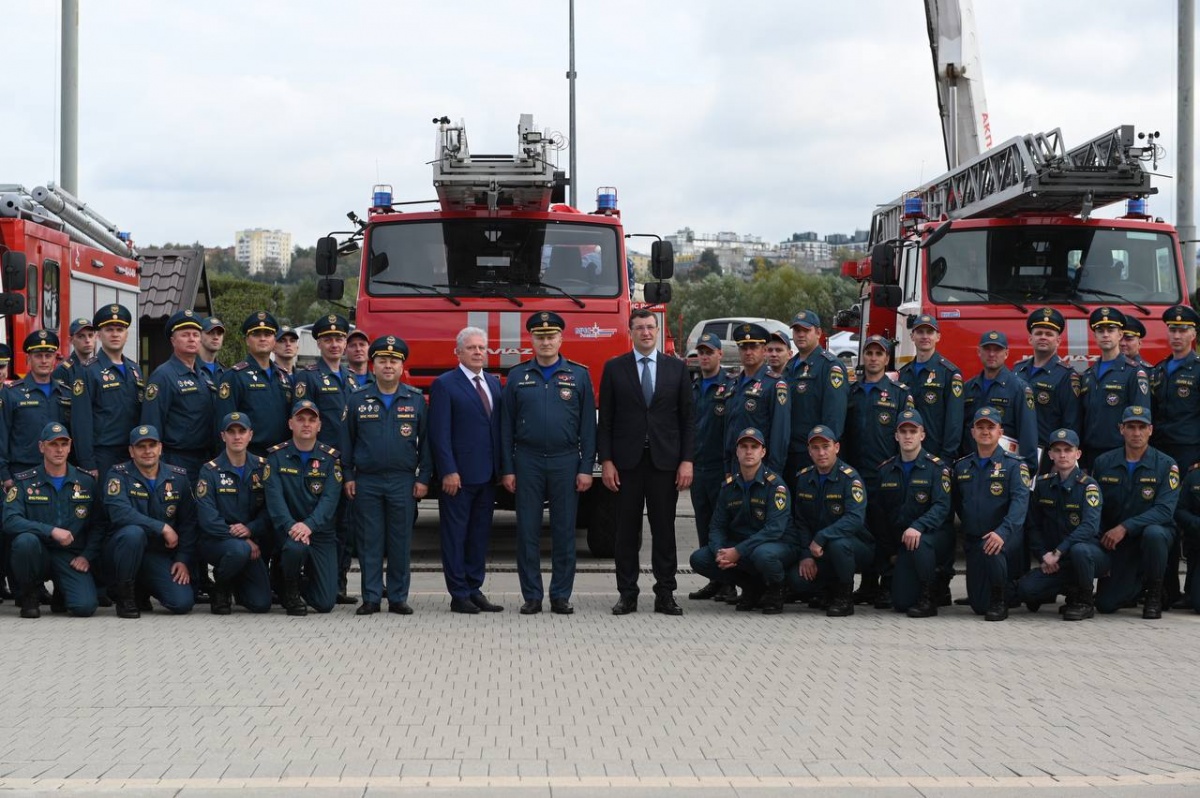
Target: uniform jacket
x,y
297,492
328,390
749,513
829,510
1063,512
105,405
937,392
819,390
130,501
1176,401
1010,395
920,500
179,402
1056,389
548,418
1146,498
265,397
224,498
994,498
759,400
33,505
1104,401
377,439
871,418
24,410
710,422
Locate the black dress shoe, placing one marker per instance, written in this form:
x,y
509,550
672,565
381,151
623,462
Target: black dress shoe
x,y
342,598
707,592
367,608
481,601
625,605
464,606
531,607
666,605
400,608
561,607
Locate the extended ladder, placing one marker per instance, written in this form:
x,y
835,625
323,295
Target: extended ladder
x,y
524,181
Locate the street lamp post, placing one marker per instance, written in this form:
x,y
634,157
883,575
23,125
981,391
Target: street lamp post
x,y
574,180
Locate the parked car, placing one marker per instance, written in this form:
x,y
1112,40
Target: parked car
x,y
723,329
845,346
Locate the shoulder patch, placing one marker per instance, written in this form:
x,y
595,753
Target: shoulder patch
x,y
1024,469
12,494
1173,477
77,387
224,391
856,492
1092,495
202,489
152,392
301,389
729,479
837,377
114,487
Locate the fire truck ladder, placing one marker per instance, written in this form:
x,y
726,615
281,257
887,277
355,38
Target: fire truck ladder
x,y
525,181
1029,174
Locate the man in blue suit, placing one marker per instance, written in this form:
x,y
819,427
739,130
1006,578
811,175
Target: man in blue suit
x,y
464,428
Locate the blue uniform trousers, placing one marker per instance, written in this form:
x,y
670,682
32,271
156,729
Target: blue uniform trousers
x,y
128,561
232,566
984,570
318,559
106,457
1079,568
917,567
546,479
190,460
33,561
384,509
1184,455
768,564
706,485
842,558
465,523
1135,560
346,532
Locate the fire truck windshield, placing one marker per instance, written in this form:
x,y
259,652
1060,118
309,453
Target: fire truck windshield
x,y
505,257
1053,262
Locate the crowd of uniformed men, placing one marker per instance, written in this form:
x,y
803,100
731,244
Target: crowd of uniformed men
x,y
252,484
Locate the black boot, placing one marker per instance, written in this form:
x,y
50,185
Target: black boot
x,y
221,599
868,589
1072,598
925,606
142,598
1152,608
727,594
772,600
707,592
1081,605
58,601
842,603
291,599
123,600
997,607
752,594
31,601
943,595
883,599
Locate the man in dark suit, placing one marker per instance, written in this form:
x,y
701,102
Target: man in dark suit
x,y
645,442
464,428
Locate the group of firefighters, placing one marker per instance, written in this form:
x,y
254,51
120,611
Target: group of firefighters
x,y
116,491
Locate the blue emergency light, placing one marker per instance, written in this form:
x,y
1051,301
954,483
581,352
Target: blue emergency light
x,y
914,208
124,236
1135,207
606,198
381,196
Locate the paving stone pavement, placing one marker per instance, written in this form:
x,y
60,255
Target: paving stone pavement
x,y
716,703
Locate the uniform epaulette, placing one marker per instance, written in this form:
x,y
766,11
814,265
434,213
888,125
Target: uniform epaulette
x,y
178,471
830,356
309,367
257,460
775,375
210,464
327,449
889,461
25,474
771,476
121,468
805,470
573,363
241,365
847,470
277,447
89,361
729,479
964,458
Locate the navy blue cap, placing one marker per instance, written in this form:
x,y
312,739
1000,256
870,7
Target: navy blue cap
x,y
924,320
711,340
750,333
1106,316
1137,329
333,324
146,432
880,341
1181,314
1046,317
822,431
112,314
357,332
53,431
305,404
753,433
1136,413
212,323
81,324
782,337
5,354
389,346
909,417
994,338
260,321
235,418
806,318
545,322
183,320
1064,436
286,331
41,341
987,413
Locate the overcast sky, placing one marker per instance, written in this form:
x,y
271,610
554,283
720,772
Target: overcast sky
x,y
760,117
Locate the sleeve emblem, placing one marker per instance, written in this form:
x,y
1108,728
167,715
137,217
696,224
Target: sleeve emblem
x,y
781,498
836,377
1092,496
202,489
300,389
12,494
1173,477
1025,478
114,487
224,391
956,385
151,392
77,388
856,492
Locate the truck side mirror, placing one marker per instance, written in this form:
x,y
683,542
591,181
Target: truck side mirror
x,y
657,293
326,256
331,289
886,296
883,265
14,272
12,304
662,260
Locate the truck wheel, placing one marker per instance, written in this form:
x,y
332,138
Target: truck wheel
x,y
601,509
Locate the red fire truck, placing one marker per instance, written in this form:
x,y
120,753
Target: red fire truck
x,y
1011,230
500,246
61,260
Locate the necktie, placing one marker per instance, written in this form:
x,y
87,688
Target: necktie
x,y
647,382
483,395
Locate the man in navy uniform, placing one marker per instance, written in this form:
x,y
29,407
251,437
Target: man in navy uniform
x,y
83,348
257,386
1132,335
179,400
829,510
388,464
991,498
997,387
709,389
303,479
913,501
756,398
28,405
1064,533
48,514
464,430
748,542
106,396
358,359
819,389
234,528
212,338
152,528
1110,385
1140,486
1187,520
1055,385
547,450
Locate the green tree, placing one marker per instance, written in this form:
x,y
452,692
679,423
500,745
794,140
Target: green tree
x,y
707,264
233,300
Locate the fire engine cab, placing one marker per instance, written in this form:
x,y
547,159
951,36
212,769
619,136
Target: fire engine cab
x,y
500,246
